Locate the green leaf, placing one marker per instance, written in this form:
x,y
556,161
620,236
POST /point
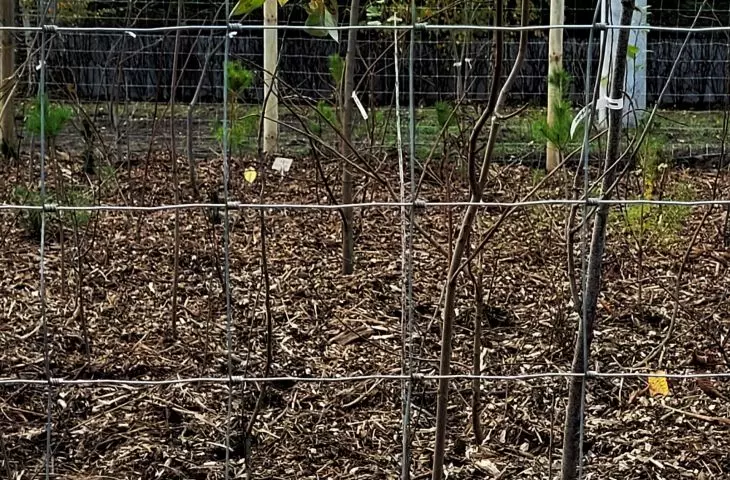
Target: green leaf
x,y
326,111
633,51
337,68
315,20
282,2
55,117
443,114
322,13
560,79
373,12
244,7
330,21
239,78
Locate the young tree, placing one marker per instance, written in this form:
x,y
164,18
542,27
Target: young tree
x,y
8,138
323,13
348,242
478,177
574,414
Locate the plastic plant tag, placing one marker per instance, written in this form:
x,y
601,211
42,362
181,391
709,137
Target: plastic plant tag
x,y
359,106
282,164
579,118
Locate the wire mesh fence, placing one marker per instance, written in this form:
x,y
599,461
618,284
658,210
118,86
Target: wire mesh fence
x,y
100,66
97,372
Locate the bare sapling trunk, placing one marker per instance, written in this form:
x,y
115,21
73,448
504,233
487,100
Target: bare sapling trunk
x,y
476,384
62,193
175,179
348,240
477,182
266,281
574,414
192,169
7,72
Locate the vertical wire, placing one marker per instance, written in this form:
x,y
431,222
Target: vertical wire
x,y
585,150
408,253
42,269
226,241
405,365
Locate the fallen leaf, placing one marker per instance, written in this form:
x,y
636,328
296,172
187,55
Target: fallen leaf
x,y
488,466
658,385
250,175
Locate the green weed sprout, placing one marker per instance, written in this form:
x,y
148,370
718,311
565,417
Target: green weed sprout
x,y
56,117
244,124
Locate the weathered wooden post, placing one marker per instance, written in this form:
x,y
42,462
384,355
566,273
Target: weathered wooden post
x,y
271,93
555,65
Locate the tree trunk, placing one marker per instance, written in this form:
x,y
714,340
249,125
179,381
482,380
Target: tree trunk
x,y
477,183
348,241
574,413
7,69
189,121
175,179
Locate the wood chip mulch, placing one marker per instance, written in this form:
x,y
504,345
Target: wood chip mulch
x,y
326,325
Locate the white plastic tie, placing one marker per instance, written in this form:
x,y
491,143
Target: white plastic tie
x,y
611,103
359,105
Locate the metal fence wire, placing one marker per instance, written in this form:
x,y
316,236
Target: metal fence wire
x,y
101,62
55,41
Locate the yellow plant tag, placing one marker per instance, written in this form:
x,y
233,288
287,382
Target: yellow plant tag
x,y
250,174
658,385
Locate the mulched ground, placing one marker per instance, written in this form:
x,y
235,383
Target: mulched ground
x,y
326,324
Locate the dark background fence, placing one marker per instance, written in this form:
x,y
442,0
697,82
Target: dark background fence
x,y
105,66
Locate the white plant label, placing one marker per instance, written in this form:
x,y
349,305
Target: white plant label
x,y
579,117
282,164
363,113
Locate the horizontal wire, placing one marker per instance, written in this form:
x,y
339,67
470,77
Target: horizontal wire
x,y
236,27
306,206
352,378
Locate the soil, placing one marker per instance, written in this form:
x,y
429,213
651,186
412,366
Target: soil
x,y
109,315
